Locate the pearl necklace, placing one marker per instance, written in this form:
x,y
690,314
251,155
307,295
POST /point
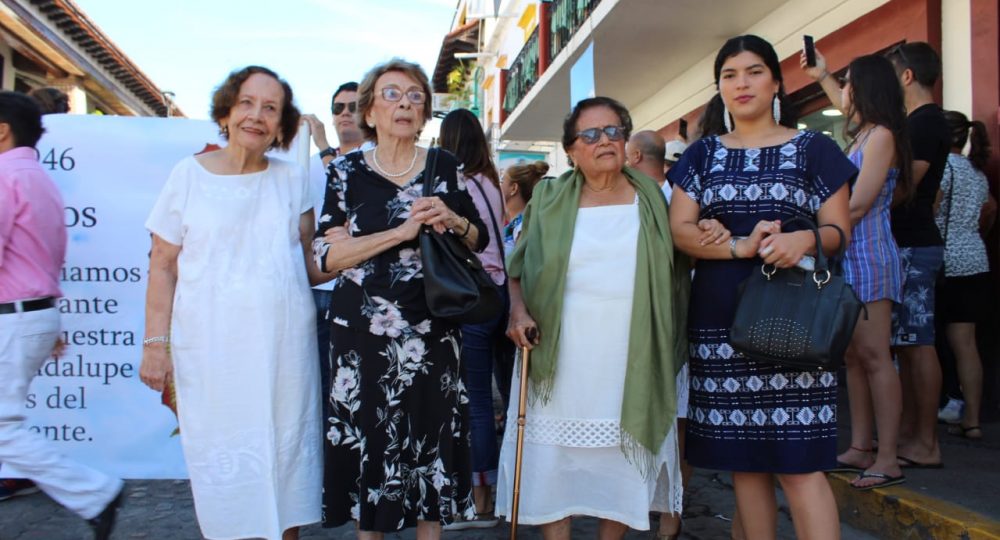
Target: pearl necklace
x,y
386,173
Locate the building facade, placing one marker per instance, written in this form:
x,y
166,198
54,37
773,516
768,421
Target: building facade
x,y
54,43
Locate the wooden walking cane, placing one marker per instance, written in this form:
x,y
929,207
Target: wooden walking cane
x,y
522,405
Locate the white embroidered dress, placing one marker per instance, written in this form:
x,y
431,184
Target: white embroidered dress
x,y
573,463
243,343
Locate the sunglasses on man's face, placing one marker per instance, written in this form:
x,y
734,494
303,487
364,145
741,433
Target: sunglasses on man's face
x,y
593,135
340,106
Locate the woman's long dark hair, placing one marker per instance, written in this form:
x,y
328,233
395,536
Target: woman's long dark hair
x,y
962,130
462,135
762,48
877,99
710,122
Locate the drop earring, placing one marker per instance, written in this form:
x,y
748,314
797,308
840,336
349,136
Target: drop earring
x,y
726,119
776,110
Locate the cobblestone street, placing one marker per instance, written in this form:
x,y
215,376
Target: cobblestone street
x,y
163,510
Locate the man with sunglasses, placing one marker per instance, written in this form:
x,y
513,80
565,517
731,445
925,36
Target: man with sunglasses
x,y
343,106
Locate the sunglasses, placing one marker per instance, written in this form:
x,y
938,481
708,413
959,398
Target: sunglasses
x,y
593,135
393,94
339,107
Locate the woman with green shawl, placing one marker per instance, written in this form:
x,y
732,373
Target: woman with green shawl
x,y
593,273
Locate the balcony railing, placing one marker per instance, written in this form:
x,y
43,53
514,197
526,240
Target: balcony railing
x,y
566,18
522,74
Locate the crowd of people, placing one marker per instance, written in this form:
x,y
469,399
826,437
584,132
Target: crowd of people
x,y
354,402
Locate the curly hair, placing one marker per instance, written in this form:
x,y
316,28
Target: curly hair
x,y
226,94
366,91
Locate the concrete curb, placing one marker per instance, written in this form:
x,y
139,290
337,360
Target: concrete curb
x,y
899,513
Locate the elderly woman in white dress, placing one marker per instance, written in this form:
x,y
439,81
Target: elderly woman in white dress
x,y
594,273
228,290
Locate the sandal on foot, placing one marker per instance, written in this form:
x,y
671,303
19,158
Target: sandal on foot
x,y
965,432
908,463
887,480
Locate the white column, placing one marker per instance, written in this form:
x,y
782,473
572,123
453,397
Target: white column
x,y
956,55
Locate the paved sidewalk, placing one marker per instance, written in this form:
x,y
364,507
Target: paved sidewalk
x,y
163,510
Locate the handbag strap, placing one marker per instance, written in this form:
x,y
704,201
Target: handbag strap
x,y
496,229
429,170
821,260
951,196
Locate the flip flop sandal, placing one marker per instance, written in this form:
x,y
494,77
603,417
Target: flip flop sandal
x,y
907,463
886,480
963,431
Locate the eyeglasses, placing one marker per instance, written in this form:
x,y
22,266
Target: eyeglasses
x,y
393,94
593,135
340,106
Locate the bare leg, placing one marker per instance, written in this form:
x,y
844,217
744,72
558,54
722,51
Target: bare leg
x,y
367,535
814,510
962,337
926,374
611,530
871,347
670,524
481,496
908,419
428,530
736,533
859,398
756,504
290,534
557,530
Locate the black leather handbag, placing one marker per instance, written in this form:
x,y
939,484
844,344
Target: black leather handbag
x,y
456,286
796,318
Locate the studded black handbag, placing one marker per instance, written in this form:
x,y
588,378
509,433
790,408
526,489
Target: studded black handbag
x,y
456,286
794,317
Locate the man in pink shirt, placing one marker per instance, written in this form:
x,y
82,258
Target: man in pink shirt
x,y
32,249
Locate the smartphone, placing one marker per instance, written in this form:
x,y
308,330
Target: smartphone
x,y
809,46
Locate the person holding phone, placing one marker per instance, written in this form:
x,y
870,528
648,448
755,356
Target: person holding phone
x,y
756,419
875,124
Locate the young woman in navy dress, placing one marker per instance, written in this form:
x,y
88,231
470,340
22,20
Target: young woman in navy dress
x,y
758,419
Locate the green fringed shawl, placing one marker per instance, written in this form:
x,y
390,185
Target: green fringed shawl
x,y
657,340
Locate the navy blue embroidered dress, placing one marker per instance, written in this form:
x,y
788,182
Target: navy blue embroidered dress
x,y
744,415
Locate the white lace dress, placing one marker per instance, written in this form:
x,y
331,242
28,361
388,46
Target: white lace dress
x,y
573,463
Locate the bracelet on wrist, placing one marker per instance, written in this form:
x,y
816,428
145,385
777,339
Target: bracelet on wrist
x,y
822,76
732,245
468,226
155,339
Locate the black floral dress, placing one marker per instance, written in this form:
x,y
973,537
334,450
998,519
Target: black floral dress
x,y
397,434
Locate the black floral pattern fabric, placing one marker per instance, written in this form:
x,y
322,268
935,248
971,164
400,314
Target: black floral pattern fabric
x,y
397,436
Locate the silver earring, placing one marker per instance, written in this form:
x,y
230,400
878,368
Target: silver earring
x,y
776,109
726,119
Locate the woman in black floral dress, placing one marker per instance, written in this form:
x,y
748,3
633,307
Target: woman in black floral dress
x,y
398,453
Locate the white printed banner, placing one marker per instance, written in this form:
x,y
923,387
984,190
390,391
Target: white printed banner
x,y
90,402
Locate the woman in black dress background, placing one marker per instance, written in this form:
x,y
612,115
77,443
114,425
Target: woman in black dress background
x,y
397,454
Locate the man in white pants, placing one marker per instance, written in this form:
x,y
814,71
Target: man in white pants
x,y
32,250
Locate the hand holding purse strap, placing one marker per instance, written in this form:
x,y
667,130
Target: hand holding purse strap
x,y
822,264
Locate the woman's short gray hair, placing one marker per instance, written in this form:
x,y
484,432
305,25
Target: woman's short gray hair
x,y
366,90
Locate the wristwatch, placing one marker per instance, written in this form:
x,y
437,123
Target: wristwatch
x,y
330,151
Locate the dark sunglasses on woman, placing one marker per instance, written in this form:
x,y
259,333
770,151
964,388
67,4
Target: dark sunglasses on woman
x,y
593,135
